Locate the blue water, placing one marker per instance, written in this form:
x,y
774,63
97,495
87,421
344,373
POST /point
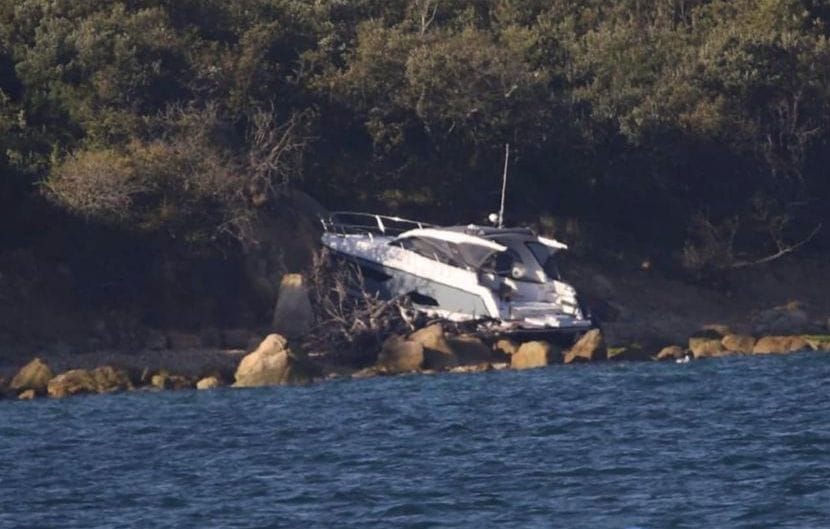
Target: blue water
x,y
733,443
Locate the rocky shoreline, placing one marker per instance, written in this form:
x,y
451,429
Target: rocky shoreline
x,y
427,350
241,358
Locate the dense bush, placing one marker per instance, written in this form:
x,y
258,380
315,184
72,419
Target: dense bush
x,y
656,116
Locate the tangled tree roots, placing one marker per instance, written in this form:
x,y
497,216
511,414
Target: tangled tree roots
x,y
351,323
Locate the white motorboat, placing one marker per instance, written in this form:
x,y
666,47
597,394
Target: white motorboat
x,y
504,276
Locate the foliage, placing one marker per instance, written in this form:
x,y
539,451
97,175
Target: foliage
x,y
651,116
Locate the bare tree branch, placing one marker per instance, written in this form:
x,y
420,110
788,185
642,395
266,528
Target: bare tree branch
x,y
782,251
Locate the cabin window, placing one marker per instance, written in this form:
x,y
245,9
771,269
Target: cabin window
x,y
431,249
544,256
502,263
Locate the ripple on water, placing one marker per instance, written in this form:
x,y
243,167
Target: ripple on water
x,y
735,442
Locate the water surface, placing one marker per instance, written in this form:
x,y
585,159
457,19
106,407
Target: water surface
x,y
733,443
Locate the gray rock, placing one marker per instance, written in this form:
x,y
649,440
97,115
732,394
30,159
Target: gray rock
x,y
400,356
471,350
293,314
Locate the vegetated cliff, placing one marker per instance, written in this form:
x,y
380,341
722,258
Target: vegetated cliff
x,y
145,162
75,287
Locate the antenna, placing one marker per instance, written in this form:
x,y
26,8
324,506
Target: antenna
x,y
504,184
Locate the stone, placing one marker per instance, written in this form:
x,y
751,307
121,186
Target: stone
x,y
437,352
109,379
399,355
209,383
738,343
714,330
706,348
818,343
34,375
156,340
470,349
672,352
29,394
293,314
780,345
271,364
183,340
236,338
506,347
531,355
74,382
589,348
160,381
178,382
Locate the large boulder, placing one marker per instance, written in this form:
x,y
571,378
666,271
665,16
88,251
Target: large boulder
x,y
531,355
738,343
706,347
505,347
589,348
293,314
438,354
104,379
271,364
109,379
399,355
35,376
780,345
74,382
472,350
672,352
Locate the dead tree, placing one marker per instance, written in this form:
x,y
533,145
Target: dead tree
x,y
352,323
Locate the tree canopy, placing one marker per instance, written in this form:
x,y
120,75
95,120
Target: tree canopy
x,y
676,119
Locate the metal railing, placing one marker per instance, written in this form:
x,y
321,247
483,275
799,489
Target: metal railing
x,y
352,222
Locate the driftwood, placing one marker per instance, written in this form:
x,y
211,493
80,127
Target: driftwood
x,y
351,322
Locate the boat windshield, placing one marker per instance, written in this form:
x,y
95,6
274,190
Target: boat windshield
x,y
461,255
544,256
